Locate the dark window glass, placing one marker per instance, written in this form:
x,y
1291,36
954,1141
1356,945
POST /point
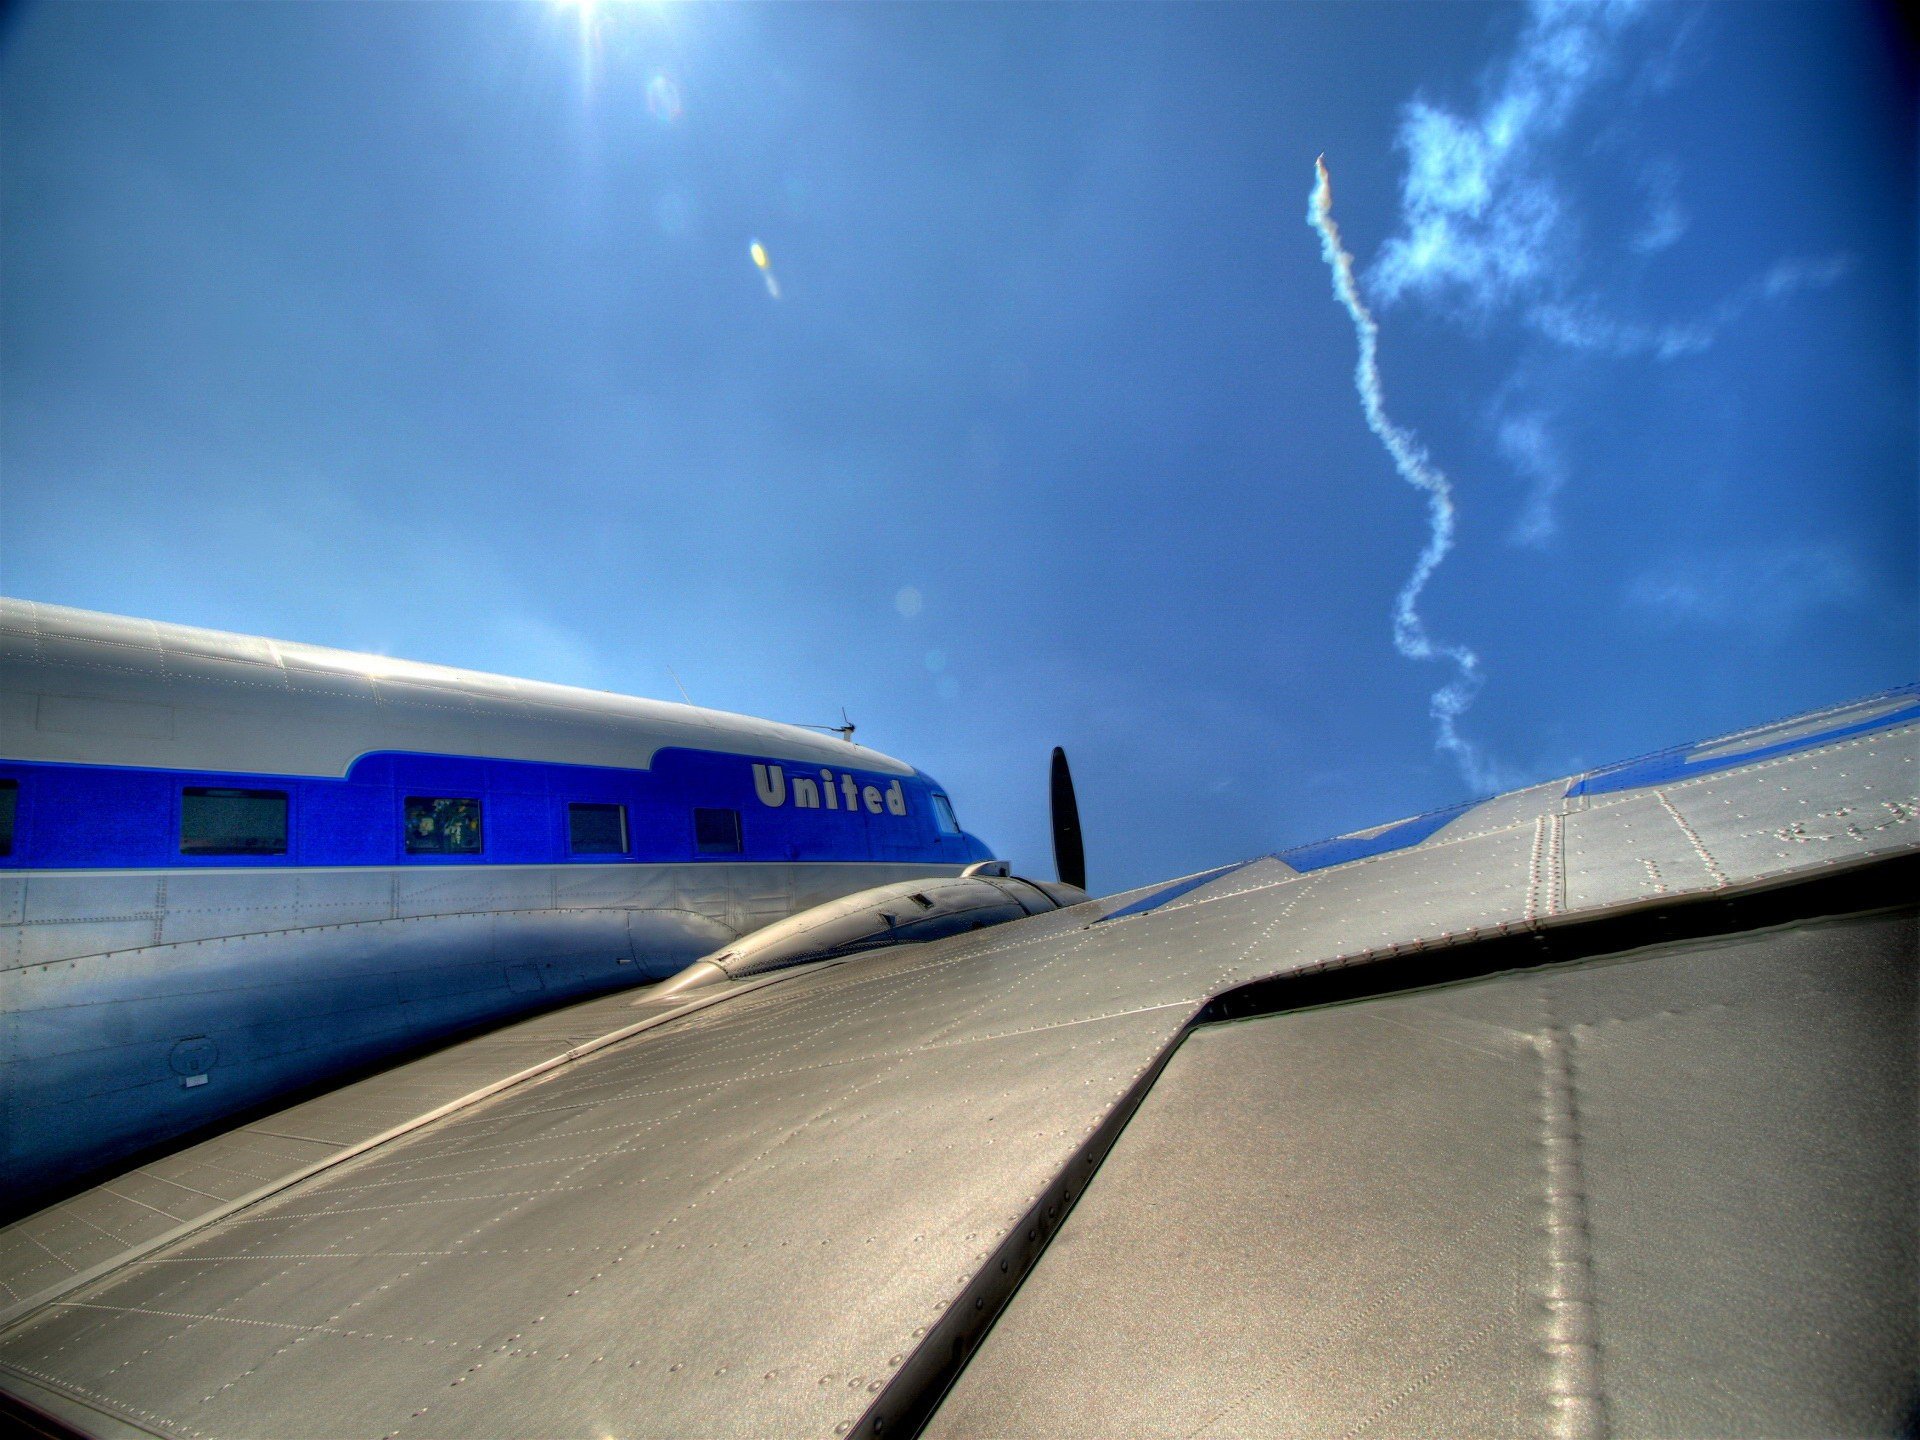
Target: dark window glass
x,y
943,815
232,822
717,832
437,825
597,829
9,798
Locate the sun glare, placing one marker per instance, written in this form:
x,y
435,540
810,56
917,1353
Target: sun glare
x,y
598,23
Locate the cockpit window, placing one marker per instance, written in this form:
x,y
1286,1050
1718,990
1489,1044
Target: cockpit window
x,y
943,815
439,825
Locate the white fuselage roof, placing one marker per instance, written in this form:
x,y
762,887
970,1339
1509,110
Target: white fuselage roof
x,y
83,687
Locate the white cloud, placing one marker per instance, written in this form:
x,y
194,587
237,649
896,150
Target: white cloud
x,y
1482,215
1489,223
1666,221
1530,447
1757,589
1664,227
1790,277
1582,324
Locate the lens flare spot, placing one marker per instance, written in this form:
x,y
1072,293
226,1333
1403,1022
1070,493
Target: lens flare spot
x,y
908,601
765,267
663,98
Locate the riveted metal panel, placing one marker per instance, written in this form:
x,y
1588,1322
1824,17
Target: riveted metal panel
x,y
340,897
1667,1193
201,904
342,692
1853,799
232,673
597,885
1503,812
107,650
187,647
91,895
282,1008
1631,850
451,889
54,942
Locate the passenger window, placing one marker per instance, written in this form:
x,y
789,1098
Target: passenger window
x,y
943,815
437,825
9,800
716,832
596,829
232,822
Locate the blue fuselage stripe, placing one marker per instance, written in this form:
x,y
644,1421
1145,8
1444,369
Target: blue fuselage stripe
x,y
1324,853
1171,893
100,817
1684,763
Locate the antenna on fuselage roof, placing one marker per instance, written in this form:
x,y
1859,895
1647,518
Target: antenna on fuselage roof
x,y
844,729
682,689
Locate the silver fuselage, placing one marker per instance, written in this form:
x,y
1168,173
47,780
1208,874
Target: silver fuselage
x,y
146,993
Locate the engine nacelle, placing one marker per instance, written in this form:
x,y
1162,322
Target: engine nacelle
x,y
899,914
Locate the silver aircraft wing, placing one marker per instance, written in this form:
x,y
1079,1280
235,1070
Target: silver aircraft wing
x,y
1588,1110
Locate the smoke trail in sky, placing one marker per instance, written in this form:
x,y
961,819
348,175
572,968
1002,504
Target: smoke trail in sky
x,y
1410,636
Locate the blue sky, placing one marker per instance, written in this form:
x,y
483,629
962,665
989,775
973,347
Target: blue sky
x,y
434,329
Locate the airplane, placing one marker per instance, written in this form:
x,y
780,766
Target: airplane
x,y
241,866
1584,1110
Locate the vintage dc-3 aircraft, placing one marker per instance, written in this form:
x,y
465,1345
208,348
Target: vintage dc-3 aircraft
x,y
338,1101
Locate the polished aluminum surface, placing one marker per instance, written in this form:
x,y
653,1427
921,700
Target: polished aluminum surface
x,y
139,1005
114,690
747,1220
905,913
1670,1192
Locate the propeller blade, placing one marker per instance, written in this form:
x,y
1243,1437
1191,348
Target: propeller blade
x,y
1069,858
